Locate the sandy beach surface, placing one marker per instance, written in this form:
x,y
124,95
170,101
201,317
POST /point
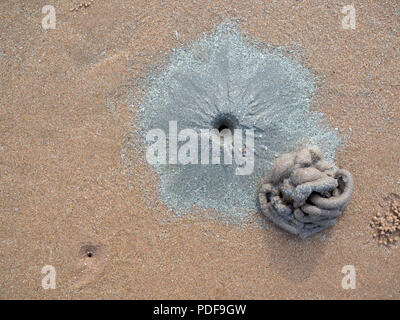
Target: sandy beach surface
x,y
67,190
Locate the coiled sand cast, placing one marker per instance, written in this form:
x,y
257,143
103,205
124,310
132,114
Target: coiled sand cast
x,y
303,194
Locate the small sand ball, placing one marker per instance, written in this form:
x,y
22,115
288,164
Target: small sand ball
x,y
387,226
303,194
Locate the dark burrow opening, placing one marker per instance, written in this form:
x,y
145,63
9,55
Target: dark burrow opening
x,y
89,251
225,121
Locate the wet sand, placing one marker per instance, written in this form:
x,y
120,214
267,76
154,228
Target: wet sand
x,y
67,180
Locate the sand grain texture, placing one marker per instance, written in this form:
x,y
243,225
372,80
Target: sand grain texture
x,y
64,182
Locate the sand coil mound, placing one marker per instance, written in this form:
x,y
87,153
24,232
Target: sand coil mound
x,y
304,194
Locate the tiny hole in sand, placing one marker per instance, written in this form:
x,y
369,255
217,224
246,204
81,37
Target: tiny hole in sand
x,y
223,127
225,121
90,251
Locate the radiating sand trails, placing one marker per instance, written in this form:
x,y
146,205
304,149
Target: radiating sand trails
x,y
70,176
